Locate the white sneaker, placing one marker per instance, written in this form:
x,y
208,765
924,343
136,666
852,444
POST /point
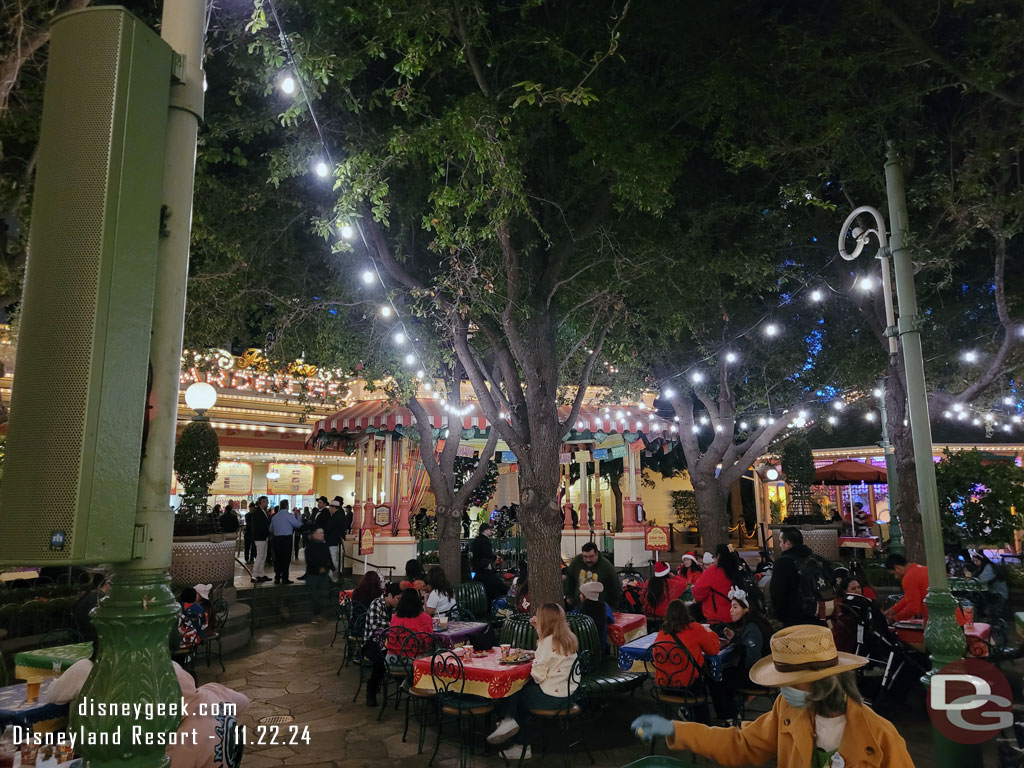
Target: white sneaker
x,y
516,751
507,728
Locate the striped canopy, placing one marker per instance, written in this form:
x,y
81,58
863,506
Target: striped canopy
x,y
379,415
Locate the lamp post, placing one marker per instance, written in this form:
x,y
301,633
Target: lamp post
x,y
943,636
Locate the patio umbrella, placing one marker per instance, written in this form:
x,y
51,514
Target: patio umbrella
x,y
849,473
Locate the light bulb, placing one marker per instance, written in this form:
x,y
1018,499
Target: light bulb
x,y
870,415
696,377
399,338
1007,401
695,429
867,283
367,276
718,428
337,477
385,311
947,414
772,474
420,374
731,357
816,295
833,420
703,419
288,85
802,415
838,405
410,359
743,426
876,392
273,475
761,422
668,393
957,407
347,231
970,356
989,417
321,169
771,329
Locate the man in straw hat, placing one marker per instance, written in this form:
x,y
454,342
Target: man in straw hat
x,y
819,721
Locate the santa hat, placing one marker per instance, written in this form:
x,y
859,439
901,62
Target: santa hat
x,y
661,569
690,556
708,558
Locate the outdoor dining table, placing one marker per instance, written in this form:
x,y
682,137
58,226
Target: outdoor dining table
x,y
627,627
486,676
459,631
39,664
976,633
14,710
633,655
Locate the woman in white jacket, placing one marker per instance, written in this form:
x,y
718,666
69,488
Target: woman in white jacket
x,y
549,686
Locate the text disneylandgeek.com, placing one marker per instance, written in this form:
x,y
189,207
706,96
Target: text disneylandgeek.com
x,y
139,734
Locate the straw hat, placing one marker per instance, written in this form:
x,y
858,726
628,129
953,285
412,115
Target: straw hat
x,y
802,654
661,569
592,590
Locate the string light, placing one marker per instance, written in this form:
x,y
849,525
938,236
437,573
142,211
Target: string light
x,y
288,85
347,231
410,359
743,426
696,377
870,415
771,330
385,311
399,338
970,356
816,296
1008,401
420,374
731,357
833,420
876,392
867,283
669,393
368,277
321,169
838,405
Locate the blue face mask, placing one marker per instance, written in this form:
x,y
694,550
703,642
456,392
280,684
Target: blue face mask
x,y
794,697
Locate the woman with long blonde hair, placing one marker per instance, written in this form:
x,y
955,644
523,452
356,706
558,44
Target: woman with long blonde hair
x,y
549,687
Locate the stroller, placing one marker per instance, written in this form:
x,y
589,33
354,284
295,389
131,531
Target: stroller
x,y
893,667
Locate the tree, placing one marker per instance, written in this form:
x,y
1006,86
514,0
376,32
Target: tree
x,y
980,497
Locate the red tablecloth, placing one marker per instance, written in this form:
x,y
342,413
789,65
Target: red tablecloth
x,y
627,626
485,676
977,634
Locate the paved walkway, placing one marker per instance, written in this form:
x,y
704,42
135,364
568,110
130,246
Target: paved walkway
x,y
290,670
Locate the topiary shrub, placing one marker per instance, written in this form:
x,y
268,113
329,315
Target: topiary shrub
x,y
196,457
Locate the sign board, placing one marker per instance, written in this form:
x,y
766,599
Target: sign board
x,y
295,479
382,515
565,458
234,478
656,538
508,457
601,454
581,457
366,541
465,451
618,452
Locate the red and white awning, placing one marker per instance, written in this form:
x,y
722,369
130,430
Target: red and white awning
x,y
380,414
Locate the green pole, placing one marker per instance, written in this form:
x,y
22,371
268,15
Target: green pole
x,y
134,622
895,535
943,636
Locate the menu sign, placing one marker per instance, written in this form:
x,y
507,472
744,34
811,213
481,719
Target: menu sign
x,y
234,478
294,479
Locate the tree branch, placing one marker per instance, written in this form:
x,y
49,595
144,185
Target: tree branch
x,y
574,412
478,73
481,469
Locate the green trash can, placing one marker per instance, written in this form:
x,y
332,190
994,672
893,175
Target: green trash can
x,y
659,761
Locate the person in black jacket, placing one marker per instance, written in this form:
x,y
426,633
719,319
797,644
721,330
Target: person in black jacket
x,y
250,545
483,553
229,520
790,595
260,524
318,570
334,533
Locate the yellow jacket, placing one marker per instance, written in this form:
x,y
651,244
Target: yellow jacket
x,y
786,734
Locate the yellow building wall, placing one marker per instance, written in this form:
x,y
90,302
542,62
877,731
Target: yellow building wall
x,y
657,501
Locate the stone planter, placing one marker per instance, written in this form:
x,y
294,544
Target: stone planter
x,y
203,560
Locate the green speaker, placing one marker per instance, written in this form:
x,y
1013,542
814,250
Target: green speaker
x,y
74,443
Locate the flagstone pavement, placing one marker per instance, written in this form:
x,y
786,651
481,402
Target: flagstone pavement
x,y
290,670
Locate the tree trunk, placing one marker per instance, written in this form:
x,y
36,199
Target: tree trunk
x,y
908,503
617,493
541,515
449,550
712,516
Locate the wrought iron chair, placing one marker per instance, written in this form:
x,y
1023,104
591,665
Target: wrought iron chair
x,y
570,709
449,678
400,647
343,613
215,633
677,682
353,634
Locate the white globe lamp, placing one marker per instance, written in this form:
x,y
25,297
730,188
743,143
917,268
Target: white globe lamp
x,y
200,397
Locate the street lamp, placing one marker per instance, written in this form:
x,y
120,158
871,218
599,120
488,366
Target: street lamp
x,y
943,636
200,397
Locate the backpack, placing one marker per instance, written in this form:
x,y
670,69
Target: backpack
x,y
817,587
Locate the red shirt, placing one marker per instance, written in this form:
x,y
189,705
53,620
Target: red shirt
x,y
711,591
915,587
421,623
698,641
